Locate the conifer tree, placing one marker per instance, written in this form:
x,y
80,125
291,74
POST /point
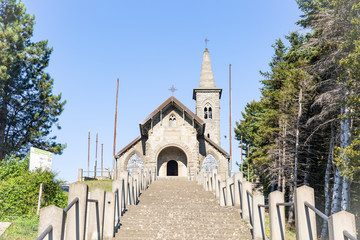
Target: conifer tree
x,y
28,107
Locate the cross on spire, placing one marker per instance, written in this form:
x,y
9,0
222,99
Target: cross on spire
x,y
172,90
206,41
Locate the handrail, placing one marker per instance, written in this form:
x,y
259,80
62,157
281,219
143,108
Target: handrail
x,y
317,211
48,230
262,205
75,200
285,204
347,235
248,193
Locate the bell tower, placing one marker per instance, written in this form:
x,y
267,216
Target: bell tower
x,y
207,98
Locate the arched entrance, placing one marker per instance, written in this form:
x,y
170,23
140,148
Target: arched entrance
x,y
172,161
172,168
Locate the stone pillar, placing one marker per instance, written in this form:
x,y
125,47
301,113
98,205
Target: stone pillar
x,y
124,176
217,186
237,177
109,216
304,194
213,177
130,191
222,194
96,215
258,217
245,187
277,226
340,222
79,190
229,192
51,215
116,189
80,175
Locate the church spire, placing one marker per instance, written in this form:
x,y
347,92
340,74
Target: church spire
x,y
206,77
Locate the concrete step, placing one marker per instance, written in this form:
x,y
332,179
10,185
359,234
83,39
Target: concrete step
x,y
180,209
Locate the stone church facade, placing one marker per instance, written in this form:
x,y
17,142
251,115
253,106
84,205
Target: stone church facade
x,y
174,141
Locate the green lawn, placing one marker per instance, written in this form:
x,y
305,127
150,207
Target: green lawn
x,y
102,184
22,228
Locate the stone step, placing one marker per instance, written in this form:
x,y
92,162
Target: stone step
x,y
180,209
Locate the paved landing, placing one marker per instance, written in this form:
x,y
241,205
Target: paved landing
x,y
176,208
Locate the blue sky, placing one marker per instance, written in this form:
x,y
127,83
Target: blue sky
x,y
150,46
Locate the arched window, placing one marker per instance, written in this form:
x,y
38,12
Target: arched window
x,y
135,162
172,121
207,111
209,163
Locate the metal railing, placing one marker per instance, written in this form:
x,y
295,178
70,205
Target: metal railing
x,y
347,236
47,231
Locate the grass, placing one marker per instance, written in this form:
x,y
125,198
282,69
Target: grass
x,y
22,228
102,184
289,235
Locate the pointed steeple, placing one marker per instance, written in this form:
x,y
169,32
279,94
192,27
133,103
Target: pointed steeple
x,y
206,77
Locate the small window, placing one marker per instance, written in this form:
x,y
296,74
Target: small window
x,y
207,111
172,121
208,135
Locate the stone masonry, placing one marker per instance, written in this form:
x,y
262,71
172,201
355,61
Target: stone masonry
x,y
174,208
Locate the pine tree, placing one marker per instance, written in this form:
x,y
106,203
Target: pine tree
x,y
28,107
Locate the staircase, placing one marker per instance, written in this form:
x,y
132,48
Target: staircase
x,y
175,208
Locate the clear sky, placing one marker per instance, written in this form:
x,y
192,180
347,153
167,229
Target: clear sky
x,y
150,46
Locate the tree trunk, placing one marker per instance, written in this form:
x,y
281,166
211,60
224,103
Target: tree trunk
x,y
345,142
297,139
307,167
3,118
291,219
324,231
283,185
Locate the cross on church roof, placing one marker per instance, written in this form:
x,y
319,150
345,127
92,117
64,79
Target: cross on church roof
x,y
172,89
206,41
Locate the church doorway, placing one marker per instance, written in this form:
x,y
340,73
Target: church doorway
x,y
172,161
172,168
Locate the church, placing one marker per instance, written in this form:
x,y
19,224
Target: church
x,y
174,141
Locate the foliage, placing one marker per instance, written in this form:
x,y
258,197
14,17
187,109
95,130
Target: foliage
x,y
348,168
22,228
28,107
19,189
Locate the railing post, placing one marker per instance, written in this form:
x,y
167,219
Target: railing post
x,y
116,189
229,192
246,186
222,194
109,216
80,175
51,215
237,176
130,191
305,230
217,187
258,216
213,178
124,176
73,220
277,218
96,214
340,222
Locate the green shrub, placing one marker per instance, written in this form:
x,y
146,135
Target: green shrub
x,y
19,189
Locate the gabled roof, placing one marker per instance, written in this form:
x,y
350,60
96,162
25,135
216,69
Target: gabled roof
x,y
217,147
122,151
172,101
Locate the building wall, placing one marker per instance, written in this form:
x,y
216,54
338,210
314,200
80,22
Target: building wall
x,y
212,129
